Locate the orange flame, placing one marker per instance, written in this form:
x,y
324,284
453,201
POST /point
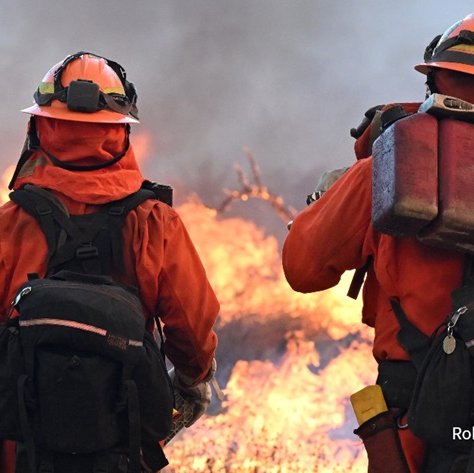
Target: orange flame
x,y
6,176
277,416
280,418
142,144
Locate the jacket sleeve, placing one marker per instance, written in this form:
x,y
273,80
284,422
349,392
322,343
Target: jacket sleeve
x,y
187,304
332,235
173,285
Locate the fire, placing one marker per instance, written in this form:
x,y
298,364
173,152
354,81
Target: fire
x,y
279,418
244,266
288,413
142,145
288,362
6,176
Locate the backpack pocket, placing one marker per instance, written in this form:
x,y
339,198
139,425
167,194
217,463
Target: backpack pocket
x,y
77,403
154,391
11,367
443,393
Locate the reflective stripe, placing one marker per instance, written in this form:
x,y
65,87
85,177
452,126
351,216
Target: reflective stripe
x,y
463,48
64,323
46,88
76,325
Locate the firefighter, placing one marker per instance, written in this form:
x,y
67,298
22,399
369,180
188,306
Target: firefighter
x,y
78,148
335,234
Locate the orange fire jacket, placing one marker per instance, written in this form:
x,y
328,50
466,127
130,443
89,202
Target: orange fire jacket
x,y
160,258
335,234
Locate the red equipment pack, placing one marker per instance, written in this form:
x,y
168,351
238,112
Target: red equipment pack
x,y
422,174
454,226
405,176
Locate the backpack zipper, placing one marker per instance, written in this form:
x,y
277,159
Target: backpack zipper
x,y
26,290
23,292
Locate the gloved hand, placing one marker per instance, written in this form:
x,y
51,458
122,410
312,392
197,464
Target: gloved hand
x,y
326,181
196,397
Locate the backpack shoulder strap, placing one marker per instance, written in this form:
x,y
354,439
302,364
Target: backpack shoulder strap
x,y
163,192
117,212
358,279
47,210
415,342
52,216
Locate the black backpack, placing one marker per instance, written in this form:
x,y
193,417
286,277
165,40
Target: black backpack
x,y
441,406
83,385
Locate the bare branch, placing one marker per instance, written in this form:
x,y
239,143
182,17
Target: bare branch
x,y
253,166
255,190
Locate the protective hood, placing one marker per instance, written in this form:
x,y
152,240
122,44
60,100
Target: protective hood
x,y
456,84
82,144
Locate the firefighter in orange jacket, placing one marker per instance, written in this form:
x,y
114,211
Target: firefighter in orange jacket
x,y
84,157
335,234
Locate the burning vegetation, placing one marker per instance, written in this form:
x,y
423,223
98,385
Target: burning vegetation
x,y
287,362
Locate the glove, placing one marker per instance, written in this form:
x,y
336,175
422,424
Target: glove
x,y
196,397
326,181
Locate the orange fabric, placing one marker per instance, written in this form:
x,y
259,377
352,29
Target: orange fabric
x,y
82,143
456,84
335,234
160,258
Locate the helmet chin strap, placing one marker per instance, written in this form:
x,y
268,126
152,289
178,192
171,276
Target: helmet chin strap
x,y
430,84
33,144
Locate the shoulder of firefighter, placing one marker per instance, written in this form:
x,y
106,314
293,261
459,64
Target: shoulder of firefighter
x,y
319,233
349,196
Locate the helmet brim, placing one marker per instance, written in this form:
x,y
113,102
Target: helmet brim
x,y
61,112
452,66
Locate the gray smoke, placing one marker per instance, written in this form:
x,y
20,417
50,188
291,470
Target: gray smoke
x,y
286,78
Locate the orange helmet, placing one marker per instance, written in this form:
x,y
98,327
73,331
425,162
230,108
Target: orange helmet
x,y
453,50
86,87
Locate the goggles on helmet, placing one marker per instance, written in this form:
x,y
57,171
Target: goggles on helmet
x,y
438,51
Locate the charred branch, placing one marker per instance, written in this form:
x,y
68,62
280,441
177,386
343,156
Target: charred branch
x,y
254,189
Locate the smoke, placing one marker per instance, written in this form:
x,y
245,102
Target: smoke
x,y
286,78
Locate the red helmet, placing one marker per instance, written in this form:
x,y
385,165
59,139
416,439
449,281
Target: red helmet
x,y
86,88
454,50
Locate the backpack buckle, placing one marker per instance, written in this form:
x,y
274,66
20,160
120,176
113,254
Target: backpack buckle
x,y
116,211
87,252
43,210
